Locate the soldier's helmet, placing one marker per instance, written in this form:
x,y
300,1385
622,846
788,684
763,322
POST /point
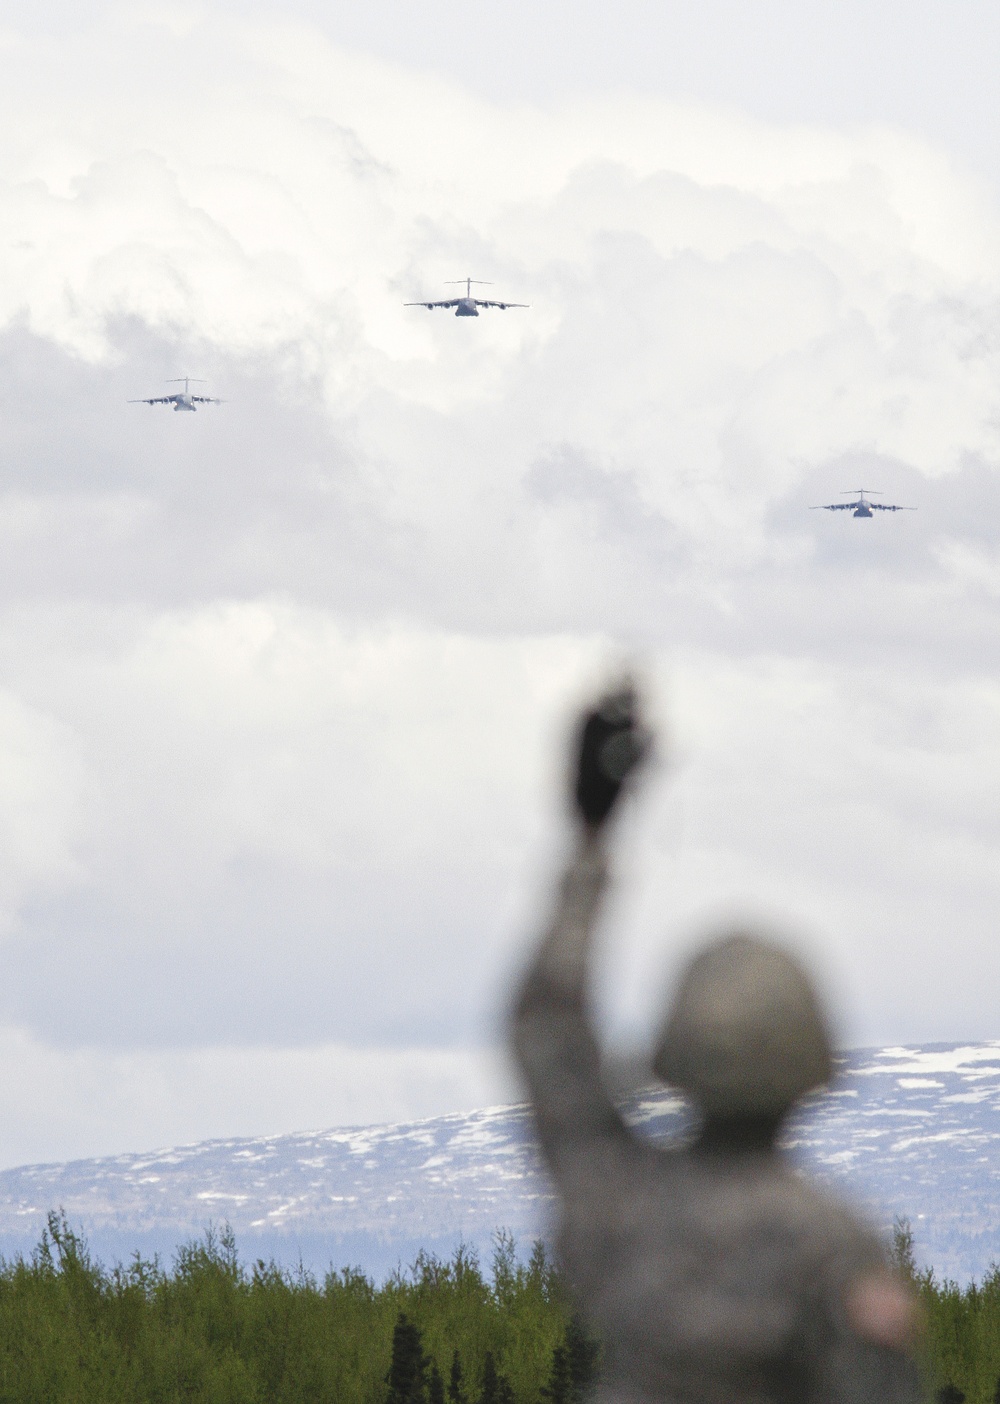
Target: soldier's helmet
x,y
745,1035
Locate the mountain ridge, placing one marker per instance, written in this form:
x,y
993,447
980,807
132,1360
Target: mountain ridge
x,y
911,1130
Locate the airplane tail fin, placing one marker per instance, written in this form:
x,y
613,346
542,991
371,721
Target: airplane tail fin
x,y
485,282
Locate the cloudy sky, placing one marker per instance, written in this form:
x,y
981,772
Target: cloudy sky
x,y
283,684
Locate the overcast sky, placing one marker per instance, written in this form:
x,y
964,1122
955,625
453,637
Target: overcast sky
x,y
283,684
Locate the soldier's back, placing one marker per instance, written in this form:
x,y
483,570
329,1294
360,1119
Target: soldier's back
x,y
713,1277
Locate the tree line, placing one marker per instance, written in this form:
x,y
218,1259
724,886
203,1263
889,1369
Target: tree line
x,y
960,1336
212,1330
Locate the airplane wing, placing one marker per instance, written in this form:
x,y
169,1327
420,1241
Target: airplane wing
x,y
207,400
888,507
837,506
449,302
157,400
484,302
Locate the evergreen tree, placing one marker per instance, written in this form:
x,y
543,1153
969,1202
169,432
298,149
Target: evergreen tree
x,y
408,1366
582,1355
497,1388
435,1385
559,1389
574,1365
488,1393
456,1394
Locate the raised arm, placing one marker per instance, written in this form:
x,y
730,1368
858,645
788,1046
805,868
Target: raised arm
x,y
552,1036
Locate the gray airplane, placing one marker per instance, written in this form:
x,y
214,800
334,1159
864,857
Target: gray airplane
x,y
183,399
467,306
862,507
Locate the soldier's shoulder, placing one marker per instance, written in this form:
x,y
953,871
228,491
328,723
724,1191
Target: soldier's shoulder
x,y
833,1226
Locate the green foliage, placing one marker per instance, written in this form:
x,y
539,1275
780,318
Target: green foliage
x,y
901,1250
408,1367
456,1381
583,1355
435,1385
559,1389
212,1331
960,1342
574,1365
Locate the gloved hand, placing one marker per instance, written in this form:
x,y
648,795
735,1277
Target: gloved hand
x,y
612,742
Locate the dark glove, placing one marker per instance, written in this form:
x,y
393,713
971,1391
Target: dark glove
x,y
612,742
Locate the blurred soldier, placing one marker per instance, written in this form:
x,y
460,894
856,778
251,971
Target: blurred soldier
x,y
712,1273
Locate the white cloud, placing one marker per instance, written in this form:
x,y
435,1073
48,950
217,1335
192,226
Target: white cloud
x,y
290,825
110,1102
41,804
281,683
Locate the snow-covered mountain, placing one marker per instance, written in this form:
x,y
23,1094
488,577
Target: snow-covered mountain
x,y
913,1131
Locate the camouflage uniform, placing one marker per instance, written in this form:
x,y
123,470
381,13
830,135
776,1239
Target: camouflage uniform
x,y
712,1273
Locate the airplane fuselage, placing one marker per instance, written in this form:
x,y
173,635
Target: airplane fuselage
x,y
863,510
183,402
466,308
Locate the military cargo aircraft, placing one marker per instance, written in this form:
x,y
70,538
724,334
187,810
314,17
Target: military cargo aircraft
x,y
467,306
182,399
861,507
